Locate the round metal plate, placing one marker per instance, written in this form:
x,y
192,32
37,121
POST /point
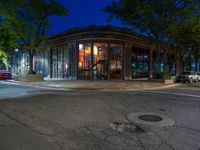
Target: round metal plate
x,y
151,118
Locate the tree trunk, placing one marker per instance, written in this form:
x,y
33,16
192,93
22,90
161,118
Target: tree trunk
x,y
31,55
165,62
190,62
198,63
158,63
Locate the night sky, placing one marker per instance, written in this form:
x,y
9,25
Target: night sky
x,y
82,13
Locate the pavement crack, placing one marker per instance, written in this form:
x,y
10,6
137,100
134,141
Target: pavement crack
x,y
89,131
140,142
164,142
187,128
24,125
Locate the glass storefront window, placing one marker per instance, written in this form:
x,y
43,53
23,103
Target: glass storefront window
x,y
55,63
87,56
116,61
84,65
24,64
100,57
67,66
139,63
96,66
61,63
41,63
81,56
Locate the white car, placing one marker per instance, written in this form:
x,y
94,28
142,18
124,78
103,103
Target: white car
x,y
198,73
187,76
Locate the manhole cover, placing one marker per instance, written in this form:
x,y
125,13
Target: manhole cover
x,y
152,118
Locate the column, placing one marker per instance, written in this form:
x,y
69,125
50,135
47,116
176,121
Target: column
x,y
150,67
108,54
49,50
92,62
127,61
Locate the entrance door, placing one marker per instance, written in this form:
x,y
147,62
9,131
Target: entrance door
x,y
100,65
116,61
57,63
84,66
100,70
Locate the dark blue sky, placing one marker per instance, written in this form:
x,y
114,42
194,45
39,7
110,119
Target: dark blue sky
x,y
82,13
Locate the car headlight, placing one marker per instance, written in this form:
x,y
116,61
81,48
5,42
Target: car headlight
x,y
190,76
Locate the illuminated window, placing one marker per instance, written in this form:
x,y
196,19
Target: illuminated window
x,y
84,64
100,57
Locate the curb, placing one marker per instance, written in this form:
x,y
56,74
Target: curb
x,y
35,85
89,88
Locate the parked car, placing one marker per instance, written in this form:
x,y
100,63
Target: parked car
x,y
187,76
198,73
5,75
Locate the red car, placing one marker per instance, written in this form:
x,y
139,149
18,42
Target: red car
x,y
5,75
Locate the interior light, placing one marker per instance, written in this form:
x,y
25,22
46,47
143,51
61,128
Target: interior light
x,y
80,64
66,66
95,51
81,46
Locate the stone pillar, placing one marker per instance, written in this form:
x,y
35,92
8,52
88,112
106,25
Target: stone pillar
x,y
108,54
74,54
127,62
92,62
49,51
150,65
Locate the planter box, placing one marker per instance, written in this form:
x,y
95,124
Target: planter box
x,y
30,78
166,82
170,81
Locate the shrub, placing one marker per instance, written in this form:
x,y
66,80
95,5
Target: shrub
x,y
162,75
166,75
157,75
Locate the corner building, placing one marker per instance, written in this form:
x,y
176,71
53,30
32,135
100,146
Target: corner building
x,y
93,53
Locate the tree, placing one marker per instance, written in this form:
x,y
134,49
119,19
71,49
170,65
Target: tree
x,y
185,37
3,59
30,21
8,41
153,18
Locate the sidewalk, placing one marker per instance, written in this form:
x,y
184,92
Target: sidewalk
x,y
130,85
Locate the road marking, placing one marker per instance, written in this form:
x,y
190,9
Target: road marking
x,y
172,93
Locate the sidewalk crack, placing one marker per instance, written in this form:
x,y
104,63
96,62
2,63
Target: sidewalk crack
x,y
24,125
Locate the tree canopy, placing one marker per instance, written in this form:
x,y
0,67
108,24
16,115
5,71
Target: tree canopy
x,y
30,21
173,21
152,17
8,41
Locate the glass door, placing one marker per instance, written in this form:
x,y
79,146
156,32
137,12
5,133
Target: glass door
x,y
100,58
116,61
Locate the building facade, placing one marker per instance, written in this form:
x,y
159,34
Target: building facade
x,y
91,53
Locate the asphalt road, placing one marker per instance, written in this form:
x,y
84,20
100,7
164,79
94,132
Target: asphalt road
x,y
43,119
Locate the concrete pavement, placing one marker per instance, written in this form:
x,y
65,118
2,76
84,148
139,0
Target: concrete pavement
x,y
86,120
